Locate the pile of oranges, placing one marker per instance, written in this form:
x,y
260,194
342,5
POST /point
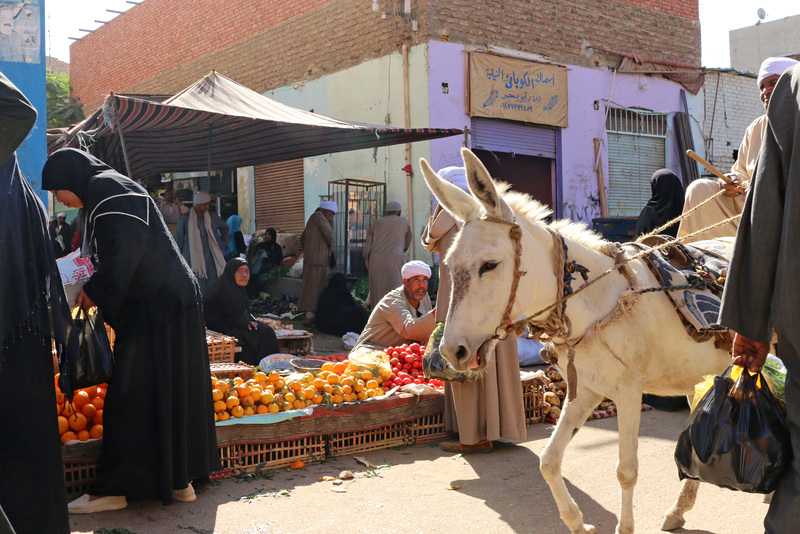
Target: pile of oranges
x,y
333,385
81,419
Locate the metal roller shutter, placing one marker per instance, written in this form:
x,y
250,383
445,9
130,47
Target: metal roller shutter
x,y
632,160
279,196
517,137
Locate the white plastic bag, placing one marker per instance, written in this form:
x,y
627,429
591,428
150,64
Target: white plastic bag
x,y
349,340
296,271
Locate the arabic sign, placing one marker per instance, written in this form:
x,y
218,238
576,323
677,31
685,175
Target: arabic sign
x,y
519,90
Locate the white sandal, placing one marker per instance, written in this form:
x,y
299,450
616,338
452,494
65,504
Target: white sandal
x,y
82,505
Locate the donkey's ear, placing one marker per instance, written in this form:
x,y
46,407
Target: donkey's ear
x,y
483,188
458,202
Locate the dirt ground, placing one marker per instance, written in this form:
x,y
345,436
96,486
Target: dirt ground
x,y
424,489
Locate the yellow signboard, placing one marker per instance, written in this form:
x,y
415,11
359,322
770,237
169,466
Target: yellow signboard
x,y
515,89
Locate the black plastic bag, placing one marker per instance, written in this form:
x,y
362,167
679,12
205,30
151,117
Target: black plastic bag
x,y
93,361
434,366
736,437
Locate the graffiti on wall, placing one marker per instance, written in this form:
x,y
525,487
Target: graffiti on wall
x,y
581,202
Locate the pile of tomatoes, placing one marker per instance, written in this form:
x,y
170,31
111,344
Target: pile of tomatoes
x,y
406,362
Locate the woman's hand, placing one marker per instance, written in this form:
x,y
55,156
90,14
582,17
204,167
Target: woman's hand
x,y
748,353
252,325
83,301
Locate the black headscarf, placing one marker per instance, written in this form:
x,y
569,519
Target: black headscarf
x,y
665,204
31,290
101,189
227,305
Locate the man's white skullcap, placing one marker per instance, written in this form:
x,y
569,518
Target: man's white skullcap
x,y
52,217
393,206
456,176
201,197
62,214
774,65
329,205
415,268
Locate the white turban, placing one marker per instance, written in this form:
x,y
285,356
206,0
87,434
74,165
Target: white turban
x,y
201,197
774,65
456,176
329,205
415,268
62,214
393,206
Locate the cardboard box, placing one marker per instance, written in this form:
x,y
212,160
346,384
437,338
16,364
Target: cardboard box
x,y
288,242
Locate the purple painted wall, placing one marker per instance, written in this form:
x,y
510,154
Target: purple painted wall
x,y
577,180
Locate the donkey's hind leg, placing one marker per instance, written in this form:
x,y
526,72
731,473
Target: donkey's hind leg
x,y
674,517
573,417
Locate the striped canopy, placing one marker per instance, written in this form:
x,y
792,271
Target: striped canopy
x,y
218,124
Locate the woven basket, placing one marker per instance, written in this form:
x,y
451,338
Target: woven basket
x,y
533,400
225,371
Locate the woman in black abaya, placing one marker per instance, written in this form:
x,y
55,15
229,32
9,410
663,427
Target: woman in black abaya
x,y
227,310
34,310
665,204
158,418
337,311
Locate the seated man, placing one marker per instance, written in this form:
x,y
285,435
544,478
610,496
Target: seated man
x,y
731,202
404,314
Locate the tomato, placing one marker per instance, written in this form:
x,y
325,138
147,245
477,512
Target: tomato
x,y
406,381
387,384
417,381
394,361
422,350
414,347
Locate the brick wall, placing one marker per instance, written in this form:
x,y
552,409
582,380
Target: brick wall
x,y
161,46
729,108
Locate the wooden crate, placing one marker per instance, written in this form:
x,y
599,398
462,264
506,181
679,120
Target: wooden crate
x,y
79,475
221,348
533,400
225,371
382,437
252,456
429,429
297,345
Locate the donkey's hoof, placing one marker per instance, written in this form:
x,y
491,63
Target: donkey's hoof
x,y
585,529
672,521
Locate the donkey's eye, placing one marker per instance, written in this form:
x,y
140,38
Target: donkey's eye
x,y
487,266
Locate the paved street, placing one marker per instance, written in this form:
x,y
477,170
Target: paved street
x,y
500,492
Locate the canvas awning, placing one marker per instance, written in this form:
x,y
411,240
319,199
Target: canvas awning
x,y
218,124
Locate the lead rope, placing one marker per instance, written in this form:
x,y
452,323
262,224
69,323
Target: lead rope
x,y
682,215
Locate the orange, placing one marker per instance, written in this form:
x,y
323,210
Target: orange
x,y
346,389
80,398
366,375
300,394
249,411
337,399
67,436
327,366
295,385
297,465
232,402
233,393
98,402
385,372
63,424
261,377
358,386
98,417
77,421
213,381
59,408
237,411
339,367
238,380
308,402
273,408
243,391
378,392
267,397
348,381
96,432
324,374
327,388
223,386
101,390
372,384
261,409
89,410
361,395
318,384
60,397
316,399
310,392
92,391
216,394
290,397
220,406
68,410
299,404
279,384
333,378
223,416
247,401
347,397
83,435
370,393
256,394
274,376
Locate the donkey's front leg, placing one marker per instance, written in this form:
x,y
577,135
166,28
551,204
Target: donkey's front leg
x,y
573,416
629,412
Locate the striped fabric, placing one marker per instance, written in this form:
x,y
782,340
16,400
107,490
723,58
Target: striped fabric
x,y
219,124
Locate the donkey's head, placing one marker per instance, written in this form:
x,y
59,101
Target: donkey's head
x,y
481,263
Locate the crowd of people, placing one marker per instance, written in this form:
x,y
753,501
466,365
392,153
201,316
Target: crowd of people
x,y
164,273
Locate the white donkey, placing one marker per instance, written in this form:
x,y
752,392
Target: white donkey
x,y
622,342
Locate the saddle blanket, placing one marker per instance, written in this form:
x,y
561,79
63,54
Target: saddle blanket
x,y
698,280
